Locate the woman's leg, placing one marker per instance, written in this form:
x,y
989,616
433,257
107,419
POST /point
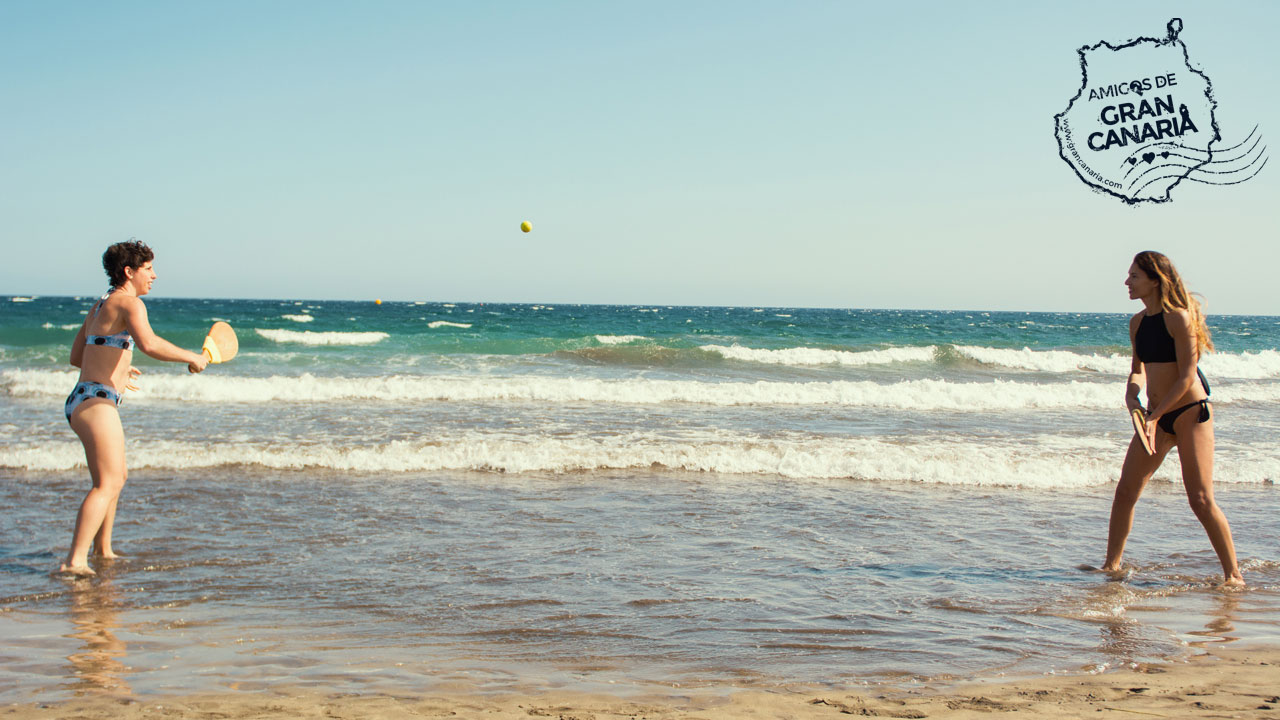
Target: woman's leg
x,y
1137,470
97,423
1195,449
102,541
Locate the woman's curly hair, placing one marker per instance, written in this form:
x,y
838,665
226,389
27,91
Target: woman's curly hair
x,y
129,254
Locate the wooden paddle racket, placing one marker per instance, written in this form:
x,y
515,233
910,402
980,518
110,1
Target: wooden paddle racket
x,y
1139,419
220,345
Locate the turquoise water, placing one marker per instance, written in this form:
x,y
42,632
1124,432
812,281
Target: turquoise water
x,y
938,397
386,496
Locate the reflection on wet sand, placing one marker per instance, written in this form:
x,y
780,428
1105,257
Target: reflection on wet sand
x,y
1170,608
1222,618
1121,639
98,667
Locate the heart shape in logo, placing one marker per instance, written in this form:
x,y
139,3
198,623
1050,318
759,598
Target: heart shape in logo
x,y
1133,161
1165,154
1148,157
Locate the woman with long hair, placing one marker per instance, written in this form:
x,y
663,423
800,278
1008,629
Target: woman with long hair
x,y
1168,337
103,350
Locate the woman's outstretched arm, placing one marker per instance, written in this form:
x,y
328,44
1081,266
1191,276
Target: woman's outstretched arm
x,y
152,344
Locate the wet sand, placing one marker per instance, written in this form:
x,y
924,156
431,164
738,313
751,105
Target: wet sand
x,y
1213,683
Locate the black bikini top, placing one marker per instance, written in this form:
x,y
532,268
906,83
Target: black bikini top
x,y
1153,343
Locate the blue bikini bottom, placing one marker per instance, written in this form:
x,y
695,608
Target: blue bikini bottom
x,y
85,390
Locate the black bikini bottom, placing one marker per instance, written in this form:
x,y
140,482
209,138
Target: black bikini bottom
x,y
1166,421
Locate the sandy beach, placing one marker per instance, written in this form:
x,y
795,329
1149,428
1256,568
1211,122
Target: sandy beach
x,y
1214,683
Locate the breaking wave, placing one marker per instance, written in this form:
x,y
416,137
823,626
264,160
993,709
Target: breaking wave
x,y
917,395
1035,463
817,356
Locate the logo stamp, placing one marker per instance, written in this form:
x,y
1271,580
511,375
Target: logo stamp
x,y
1143,122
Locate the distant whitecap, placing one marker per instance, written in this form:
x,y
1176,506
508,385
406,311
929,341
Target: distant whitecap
x,y
307,337
445,323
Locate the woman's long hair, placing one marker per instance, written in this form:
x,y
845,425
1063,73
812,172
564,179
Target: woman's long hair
x,y
1173,294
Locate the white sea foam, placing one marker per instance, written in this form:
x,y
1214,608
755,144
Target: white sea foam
x,y
69,326
22,299
619,339
1032,463
1246,365
1240,366
299,318
906,395
818,356
917,395
307,337
1045,360
445,323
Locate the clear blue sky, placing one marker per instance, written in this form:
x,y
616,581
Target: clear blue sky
x,y
731,153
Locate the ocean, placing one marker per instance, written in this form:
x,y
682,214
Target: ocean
x,y
393,496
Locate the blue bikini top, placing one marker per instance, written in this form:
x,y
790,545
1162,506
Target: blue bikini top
x,y
122,339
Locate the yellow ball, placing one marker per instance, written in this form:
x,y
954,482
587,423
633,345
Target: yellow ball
x,y
378,301
526,226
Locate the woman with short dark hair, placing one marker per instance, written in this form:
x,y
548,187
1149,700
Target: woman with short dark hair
x,y
103,350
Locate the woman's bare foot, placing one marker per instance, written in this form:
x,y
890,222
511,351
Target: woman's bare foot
x,y
108,555
1236,580
1117,572
75,570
